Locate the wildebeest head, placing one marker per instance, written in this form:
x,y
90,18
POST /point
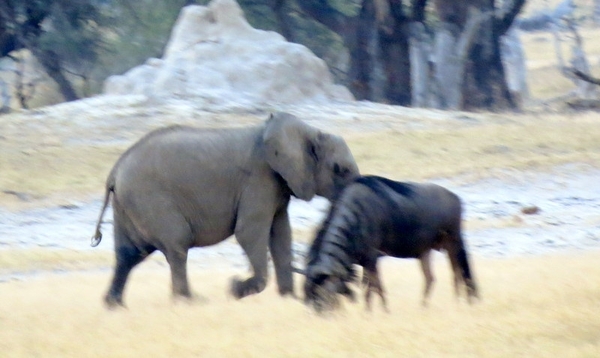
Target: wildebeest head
x,y
322,287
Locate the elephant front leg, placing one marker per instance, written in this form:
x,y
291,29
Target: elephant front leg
x,y
280,245
253,241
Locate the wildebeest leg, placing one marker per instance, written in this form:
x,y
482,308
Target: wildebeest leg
x,y
456,272
373,283
462,271
425,260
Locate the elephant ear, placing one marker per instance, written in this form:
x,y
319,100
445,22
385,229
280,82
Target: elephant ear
x,y
290,152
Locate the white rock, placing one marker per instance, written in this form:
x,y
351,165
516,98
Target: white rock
x,y
215,57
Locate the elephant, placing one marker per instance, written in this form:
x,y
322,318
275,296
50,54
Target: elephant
x,y
181,187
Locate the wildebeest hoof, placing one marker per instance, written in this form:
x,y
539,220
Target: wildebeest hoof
x,y
113,303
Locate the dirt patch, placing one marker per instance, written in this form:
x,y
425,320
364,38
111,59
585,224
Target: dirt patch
x,y
567,218
55,161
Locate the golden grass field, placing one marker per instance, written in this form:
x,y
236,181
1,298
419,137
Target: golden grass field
x,y
530,307
545,306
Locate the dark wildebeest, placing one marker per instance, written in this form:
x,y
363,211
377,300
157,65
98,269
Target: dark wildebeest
x,y
373,217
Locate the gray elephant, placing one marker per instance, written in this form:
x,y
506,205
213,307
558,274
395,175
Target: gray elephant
x,y
181,187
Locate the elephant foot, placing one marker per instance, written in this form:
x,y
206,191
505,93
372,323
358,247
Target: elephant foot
x,y
189,299
251,286
287,291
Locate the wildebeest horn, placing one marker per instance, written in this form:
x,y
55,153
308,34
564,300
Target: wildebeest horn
x,y
298,270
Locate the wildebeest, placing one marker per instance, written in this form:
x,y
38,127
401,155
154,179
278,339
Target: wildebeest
x,y
375,216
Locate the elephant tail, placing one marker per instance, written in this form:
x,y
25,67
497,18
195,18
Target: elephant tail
x,y
110,187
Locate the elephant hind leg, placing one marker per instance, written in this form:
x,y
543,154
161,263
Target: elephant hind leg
x,y
127,257
175,236
179,281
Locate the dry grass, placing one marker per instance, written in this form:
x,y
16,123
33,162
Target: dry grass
x,y
27,260
544,77
543,307
47,163
57,171
478,150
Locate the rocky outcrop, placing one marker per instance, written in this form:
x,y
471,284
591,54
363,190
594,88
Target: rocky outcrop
x,y
214,56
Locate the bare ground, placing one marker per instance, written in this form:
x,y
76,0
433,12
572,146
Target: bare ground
x,y
549,203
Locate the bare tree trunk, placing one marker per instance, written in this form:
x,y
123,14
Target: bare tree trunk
x,y
451,50
355,32
394,51
28,37
51,64
447,73
419,65
485,82
513,59
5,95
578,62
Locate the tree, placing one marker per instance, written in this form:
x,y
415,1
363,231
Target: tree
x,y
456,63
468,53
140,31
63,36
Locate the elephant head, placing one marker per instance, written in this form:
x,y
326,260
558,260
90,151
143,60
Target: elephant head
x,y
311,162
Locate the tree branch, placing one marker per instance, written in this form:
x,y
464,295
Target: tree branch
x,y
282,19
321,11
474,19
503,24
418,10
584,77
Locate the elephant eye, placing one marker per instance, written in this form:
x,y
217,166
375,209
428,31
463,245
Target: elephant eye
x,y
313,152
338,170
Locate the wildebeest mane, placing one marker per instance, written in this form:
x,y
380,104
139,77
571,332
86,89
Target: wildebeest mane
x,y
316,246
374,183
378,185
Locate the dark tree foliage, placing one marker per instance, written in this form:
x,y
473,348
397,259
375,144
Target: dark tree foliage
x,y
377,34
140,30
63,35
